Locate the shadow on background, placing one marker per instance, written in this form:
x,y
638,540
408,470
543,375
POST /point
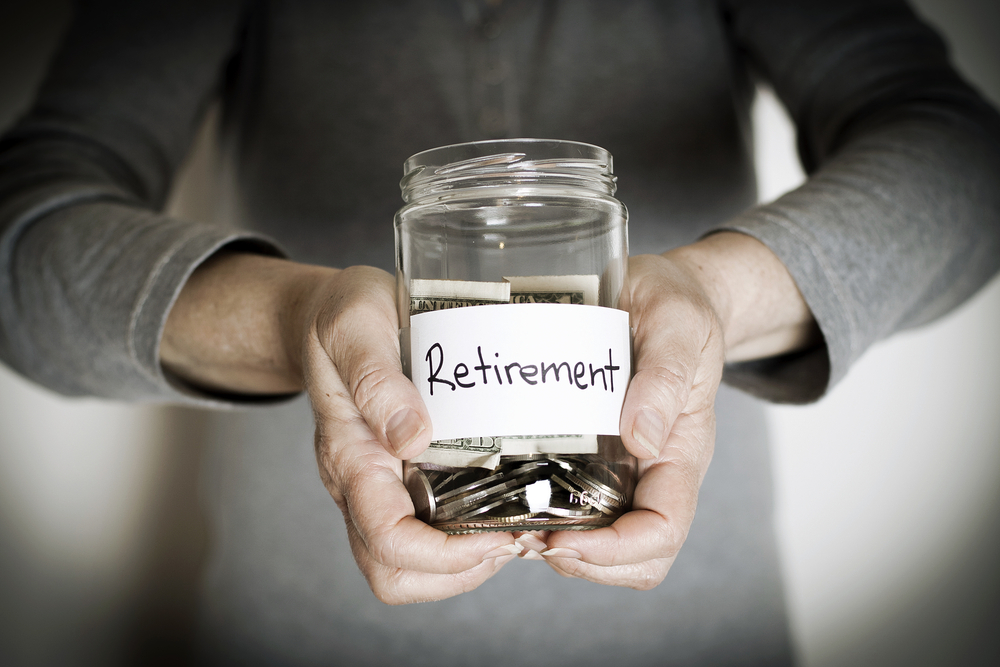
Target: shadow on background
x,y
102,539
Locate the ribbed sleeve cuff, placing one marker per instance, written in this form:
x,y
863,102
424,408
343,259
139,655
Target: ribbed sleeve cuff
x,y
192,246
800,377
88,290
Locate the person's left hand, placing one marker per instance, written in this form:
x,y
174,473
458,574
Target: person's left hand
x,y
668,422
727,296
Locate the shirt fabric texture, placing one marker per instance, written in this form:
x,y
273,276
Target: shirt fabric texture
x,y
320,105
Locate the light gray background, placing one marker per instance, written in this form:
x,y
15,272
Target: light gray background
x,y
888,489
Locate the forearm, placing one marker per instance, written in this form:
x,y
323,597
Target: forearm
x,y
237,325
898,222
759,306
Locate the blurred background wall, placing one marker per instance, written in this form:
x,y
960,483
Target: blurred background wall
x,y
888,490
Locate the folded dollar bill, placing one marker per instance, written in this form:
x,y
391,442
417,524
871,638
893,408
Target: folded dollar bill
x,y
428,295
581,290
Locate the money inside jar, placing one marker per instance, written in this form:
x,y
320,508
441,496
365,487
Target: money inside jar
x,y
515,482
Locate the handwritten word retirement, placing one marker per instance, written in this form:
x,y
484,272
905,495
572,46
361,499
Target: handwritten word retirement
x,y
462,376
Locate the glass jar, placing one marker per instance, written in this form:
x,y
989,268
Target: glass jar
x,y
511,267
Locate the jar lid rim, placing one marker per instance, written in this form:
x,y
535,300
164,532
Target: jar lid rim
x,y
561,148
503,162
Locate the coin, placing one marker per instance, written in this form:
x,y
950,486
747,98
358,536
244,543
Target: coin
x,y
481,510
585,491
422,495
470,487
603,493
604,474
473,502
567,513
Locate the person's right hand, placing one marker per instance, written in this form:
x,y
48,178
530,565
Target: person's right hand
x,y
261,325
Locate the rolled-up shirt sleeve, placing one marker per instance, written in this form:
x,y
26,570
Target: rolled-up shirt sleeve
x,y
88,266
899,220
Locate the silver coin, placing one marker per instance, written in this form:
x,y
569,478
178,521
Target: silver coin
x,y
605,494
512,520
531,466
518,458
446,482
475,501
605,474
470,487
585,496
564,484
422,495
597,484
481,510
564,512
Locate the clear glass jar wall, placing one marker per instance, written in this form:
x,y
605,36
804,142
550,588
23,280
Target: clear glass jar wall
x,y
513,221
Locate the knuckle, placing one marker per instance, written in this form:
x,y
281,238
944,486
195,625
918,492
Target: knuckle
x,y
387,590
668,532
675,532
666,385
649,576
384,546
349,313
669,538
670,379
325,464
367,386
686,461
469,580
329,450
357,471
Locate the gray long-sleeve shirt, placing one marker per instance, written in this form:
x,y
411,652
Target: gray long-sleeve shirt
x,y
322,102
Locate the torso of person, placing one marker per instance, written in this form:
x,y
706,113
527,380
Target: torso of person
x,y
322,106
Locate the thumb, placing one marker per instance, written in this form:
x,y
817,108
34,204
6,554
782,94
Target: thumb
x,y
678,358
359,331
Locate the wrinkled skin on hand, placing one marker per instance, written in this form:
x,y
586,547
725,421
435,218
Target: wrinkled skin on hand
x,y
668,422
366,408
255,324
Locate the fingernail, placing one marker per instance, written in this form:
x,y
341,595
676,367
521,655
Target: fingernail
x,y
648,430
501,560
531,543
561,552
403,428
532,555
505,550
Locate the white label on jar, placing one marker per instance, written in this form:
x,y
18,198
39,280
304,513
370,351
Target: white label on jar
x,y
521,369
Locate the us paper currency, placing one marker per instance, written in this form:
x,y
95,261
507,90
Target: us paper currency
x,y
485,452
554,289
511,445
428,295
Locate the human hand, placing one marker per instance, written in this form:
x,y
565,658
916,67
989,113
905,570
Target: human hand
x,y
727,295
668,423
366,408
257,324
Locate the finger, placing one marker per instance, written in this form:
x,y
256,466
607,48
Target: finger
x,y
366,482
639,576
400,586
678,355
664,505
531,542
359,329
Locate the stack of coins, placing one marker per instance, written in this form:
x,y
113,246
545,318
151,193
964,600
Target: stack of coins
x,y
526,492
